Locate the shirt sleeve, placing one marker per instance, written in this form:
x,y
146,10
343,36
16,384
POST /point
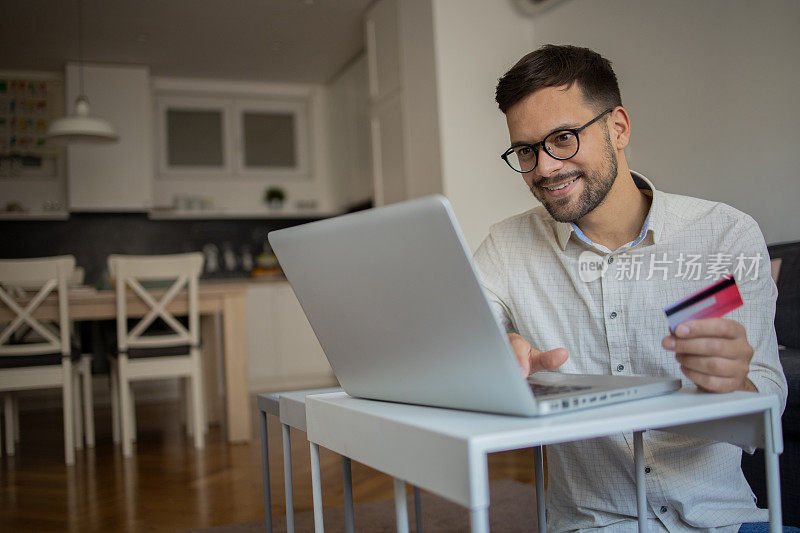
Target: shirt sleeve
x,y
493,277
751,268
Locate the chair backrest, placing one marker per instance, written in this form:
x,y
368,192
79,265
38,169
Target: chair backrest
x,y
45,275
144,276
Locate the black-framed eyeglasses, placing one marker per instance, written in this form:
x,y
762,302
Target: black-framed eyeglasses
x,y
560,144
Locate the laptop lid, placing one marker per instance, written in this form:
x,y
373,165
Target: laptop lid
x,y
396,305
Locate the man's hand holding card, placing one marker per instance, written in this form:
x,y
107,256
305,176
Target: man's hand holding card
x,y
713,351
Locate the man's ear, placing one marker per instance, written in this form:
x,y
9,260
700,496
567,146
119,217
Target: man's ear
x,y
620,128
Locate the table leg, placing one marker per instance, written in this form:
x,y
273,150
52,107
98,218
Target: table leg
x,y
316,488
541,504
265,468
641,485
88,401
287,477
236,386
347,483
773,478
418,509
400,507
213,368
479,520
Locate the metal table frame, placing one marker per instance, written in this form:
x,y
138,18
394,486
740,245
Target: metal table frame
x,y
290,408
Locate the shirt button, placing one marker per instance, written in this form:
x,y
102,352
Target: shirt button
x,y
620,368
663,509
647,470
613,314
610,260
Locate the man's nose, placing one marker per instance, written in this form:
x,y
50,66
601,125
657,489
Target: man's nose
x,y
547,164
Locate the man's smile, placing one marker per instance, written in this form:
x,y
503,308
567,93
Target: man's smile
x,y
562,188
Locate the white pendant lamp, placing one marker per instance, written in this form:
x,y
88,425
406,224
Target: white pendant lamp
x,y
80,126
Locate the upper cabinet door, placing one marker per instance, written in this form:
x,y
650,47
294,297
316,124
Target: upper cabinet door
x,y
116,176
194,136
383,49
272,138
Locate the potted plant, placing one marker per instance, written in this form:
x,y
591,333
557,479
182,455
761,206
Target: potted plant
x,y
274,197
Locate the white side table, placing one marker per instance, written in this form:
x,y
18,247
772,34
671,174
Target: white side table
x,y
445,451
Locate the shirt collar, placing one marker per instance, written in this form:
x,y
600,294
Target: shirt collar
x,y
653,223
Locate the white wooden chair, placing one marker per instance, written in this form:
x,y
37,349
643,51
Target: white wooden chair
x,y
46,361
83,394
147,354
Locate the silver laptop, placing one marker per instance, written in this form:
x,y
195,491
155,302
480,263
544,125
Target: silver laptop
x,y
396,304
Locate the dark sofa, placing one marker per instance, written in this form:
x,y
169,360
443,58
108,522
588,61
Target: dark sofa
x,y
787,327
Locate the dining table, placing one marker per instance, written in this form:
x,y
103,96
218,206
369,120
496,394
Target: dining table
x,y
223,335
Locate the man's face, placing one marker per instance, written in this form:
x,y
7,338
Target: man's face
x,y
572,188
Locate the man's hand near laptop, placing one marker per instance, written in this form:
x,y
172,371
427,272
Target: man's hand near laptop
x,y
714,353
532,360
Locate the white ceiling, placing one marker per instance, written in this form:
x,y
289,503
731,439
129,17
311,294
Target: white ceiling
x,y
265,40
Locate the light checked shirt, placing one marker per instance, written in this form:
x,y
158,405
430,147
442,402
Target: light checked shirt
x,y
613,323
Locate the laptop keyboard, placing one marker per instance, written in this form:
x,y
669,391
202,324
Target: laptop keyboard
x,y
540,389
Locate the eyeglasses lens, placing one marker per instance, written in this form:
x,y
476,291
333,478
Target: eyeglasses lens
x,y
559,144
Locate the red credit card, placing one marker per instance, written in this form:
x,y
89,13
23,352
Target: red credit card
x,y
714,301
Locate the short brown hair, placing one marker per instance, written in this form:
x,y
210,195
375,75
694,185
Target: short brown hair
x,y
555,66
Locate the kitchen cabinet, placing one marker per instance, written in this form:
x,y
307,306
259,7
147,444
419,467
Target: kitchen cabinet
x,y
403,110
383,49
112,176
349,124
205,136
283,351
221,144
386,122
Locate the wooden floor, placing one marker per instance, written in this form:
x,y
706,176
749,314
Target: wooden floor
x,y
167,485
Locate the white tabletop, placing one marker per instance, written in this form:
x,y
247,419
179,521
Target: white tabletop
x,y
269,402
293,405
292,410
430,446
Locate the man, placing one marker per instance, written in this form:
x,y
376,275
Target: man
x,y
568,133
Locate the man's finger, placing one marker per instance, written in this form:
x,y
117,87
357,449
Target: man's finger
x,y
710,327
522,351
549,360
713,366
710,383
708,346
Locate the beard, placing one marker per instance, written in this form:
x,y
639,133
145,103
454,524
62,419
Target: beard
x,y
596,186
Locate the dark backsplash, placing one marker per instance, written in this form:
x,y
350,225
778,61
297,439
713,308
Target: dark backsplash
x,y
92,237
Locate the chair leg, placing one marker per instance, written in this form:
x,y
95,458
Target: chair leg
x,y
124,407
76,407
8,407
15,401
132,418
186,407
88,398
115,415
69,437
198,416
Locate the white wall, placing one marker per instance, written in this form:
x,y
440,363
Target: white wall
x,y
475,43
712,87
